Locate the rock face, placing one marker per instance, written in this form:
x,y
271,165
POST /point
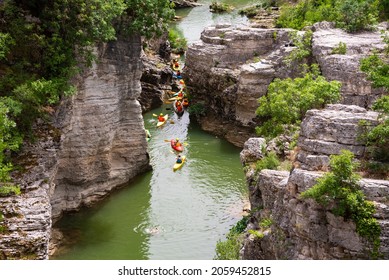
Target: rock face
x,y
103,141
356,90
302,229
231,67
156,78
327,132
27,217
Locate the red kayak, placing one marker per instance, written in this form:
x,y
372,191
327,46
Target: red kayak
x,y
177,148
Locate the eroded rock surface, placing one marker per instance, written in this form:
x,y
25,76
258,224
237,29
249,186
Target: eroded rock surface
x,y
103,141
327,132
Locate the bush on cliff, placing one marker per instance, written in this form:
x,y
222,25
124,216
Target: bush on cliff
x,y
340,188
352,15
287,101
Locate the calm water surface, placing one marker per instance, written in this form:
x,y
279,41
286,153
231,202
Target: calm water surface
x,y
164,214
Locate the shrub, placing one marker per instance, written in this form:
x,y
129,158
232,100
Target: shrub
x,y
341,48
8,190
217,7
228,249
286,102
303,45
270,161
376,67
340,186
352,15
177,41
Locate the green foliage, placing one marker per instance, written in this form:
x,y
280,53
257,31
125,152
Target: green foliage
x,y
352,15
218,7
240,226
340,186
147,17
8,190
197,109
356,15
177,41
265,223
5,43
306,13
228,249
377,70
341,48
270,161
256,233
303,43
288,100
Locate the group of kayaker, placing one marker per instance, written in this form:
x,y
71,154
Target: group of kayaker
x,y
180,103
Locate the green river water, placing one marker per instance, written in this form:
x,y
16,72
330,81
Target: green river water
x,y
164,214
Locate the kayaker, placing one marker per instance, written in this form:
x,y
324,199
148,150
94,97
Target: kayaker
x,y
185,102
177,143
179,159
178,106
161,118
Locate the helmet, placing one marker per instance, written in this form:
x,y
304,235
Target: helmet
x,y
177,139
161,114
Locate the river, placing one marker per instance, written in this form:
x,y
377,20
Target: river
x,y
162,214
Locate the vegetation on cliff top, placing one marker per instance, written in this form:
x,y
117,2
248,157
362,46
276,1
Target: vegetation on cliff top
x,y
286,102
42,45
340,191
351,15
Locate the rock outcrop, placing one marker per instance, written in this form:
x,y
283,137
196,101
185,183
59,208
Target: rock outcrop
x,y
231,67
27,217
103,142
327,132
301,228
356,90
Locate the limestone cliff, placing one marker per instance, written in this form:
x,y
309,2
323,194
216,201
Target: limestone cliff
x,y
103,141
301,228
95,143
231,67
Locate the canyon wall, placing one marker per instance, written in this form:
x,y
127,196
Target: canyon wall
x,y
231,67
94,143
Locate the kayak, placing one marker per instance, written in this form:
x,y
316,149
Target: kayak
x,y
173,144
175,98
162,123
177,166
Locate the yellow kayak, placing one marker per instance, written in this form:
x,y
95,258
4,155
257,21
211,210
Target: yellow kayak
x,y
177,166
162,123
